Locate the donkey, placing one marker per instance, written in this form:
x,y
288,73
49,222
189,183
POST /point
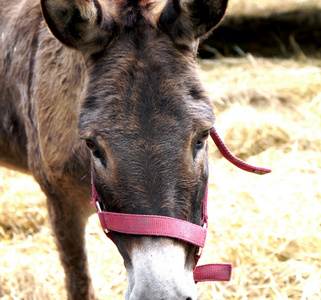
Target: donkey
x,y
111,88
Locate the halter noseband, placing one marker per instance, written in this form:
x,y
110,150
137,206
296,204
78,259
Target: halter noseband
x,y
175,228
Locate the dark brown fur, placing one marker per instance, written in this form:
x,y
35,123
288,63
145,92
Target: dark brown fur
x,y
127,86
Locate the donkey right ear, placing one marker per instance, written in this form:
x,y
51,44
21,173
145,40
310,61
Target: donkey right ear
x,y
187,21
81,24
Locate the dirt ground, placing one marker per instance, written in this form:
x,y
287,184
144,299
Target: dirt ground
x,y
268,110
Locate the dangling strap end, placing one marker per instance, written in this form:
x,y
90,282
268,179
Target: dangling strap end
x,y
234,160
213,272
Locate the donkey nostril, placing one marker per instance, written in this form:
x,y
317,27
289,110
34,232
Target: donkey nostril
x,y
189,298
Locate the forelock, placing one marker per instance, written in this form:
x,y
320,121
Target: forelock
x,y
135,12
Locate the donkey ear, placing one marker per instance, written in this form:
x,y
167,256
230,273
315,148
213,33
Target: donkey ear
x,y
81,24
192,19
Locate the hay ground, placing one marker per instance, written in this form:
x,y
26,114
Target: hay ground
x,y
268,112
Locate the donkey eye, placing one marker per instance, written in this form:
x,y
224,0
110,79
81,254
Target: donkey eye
x,y
203,138
90,145
95,151
200,142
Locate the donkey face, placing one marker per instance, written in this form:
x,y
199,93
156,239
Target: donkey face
x,y
145,118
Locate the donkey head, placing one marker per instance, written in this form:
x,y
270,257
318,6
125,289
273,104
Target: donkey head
x,y
145,118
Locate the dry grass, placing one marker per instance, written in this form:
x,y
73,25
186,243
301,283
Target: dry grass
x,y
269,227
266,7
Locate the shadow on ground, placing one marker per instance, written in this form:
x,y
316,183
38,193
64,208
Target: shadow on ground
x,y
294,33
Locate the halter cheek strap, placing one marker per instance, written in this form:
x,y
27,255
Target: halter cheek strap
x,y
175,228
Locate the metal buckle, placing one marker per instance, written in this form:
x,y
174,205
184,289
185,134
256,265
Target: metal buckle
x,y
100,210
199,251
98,206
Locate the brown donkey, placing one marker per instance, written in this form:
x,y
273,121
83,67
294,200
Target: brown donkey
x,y
121,80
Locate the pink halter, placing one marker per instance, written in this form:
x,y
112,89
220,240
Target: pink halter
x,y
175,228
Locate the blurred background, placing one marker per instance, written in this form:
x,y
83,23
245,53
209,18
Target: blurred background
x,y
262,68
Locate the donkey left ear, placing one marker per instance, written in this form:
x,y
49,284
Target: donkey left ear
x,y
82,24
193,19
